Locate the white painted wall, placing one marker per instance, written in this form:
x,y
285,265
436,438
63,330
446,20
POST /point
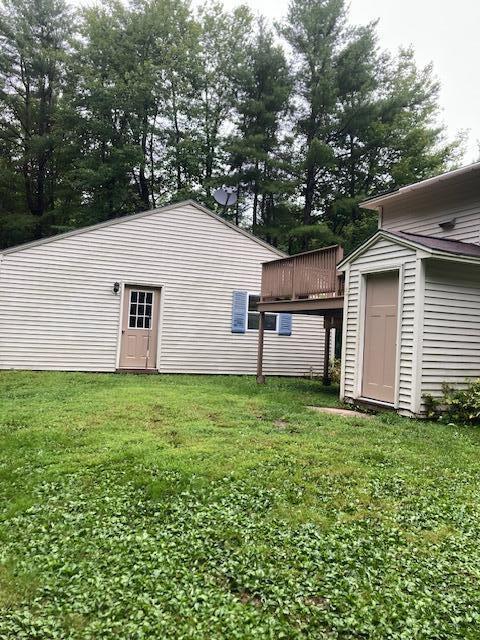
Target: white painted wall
x,y
451,339
422,211
57,309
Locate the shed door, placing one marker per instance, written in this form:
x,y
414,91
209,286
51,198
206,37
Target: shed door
x,y
138,349
380,341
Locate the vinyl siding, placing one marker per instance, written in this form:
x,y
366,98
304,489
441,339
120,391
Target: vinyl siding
x,y
422,212
383,253
451,339
57,309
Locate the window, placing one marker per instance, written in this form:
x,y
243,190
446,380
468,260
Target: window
x,y
254,315
140,315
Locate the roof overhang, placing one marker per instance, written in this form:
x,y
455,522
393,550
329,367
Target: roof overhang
x,y
422,250
377,202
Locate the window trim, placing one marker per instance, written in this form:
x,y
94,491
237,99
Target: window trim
x,y
270,313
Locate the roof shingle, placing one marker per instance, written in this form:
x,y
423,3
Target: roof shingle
x,y
441,244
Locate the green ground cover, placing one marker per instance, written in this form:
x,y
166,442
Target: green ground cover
x,y
210,508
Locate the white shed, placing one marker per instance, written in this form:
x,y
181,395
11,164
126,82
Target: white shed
x,y
411,319
173,290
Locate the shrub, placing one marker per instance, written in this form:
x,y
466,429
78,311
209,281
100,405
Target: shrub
x,y
456,405
335,371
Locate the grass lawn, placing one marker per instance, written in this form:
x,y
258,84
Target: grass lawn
x,y
208,507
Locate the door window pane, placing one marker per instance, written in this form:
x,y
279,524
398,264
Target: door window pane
x,y
140,309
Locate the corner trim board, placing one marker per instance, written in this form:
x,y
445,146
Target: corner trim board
x,y
344,334
418,328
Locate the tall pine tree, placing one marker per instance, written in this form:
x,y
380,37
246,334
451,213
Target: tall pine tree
x,y
263,98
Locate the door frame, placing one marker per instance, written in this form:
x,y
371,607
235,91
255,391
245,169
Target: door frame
x,y
147,285
360,342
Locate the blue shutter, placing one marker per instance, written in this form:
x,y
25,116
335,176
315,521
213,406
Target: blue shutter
x,y
239,311
284,324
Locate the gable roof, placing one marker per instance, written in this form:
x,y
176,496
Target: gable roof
x,y
376,202
435,247
136,216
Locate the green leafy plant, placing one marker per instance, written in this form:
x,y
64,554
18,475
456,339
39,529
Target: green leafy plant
x,y
335,370
460,406
432,407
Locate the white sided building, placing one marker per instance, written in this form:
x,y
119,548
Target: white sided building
x,y
411,319
172,290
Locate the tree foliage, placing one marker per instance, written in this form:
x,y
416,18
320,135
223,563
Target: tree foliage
x,y
121,107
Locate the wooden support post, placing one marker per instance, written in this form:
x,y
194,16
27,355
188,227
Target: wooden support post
x,y
326,355
261,329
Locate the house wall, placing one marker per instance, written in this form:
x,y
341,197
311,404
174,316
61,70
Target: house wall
x,y
423,210
451,338
382,255
57,309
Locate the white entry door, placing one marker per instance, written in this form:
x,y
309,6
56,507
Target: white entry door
x,y
139,339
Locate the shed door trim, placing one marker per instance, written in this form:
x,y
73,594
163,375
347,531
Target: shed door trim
x,y
364,272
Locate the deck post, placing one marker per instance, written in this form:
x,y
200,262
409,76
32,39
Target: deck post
x,y
261,328
326,354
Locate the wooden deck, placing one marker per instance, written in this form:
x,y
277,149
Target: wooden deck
x,y
306,283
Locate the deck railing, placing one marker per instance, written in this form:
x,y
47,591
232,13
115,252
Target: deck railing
x,y
307,275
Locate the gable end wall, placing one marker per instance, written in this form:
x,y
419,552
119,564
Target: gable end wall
x,y
58,312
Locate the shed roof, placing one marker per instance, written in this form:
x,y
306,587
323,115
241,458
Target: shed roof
x,y
430,245
442,244
142,214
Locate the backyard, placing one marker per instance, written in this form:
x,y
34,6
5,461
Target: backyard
x,y
209,507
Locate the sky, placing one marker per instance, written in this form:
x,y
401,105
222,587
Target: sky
x,y
444,32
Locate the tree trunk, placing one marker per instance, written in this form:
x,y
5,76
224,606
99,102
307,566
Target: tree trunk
x,y
178,167
308,206
142,179
152,157
352,168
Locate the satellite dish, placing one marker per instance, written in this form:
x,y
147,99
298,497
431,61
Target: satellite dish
x,y
225,196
